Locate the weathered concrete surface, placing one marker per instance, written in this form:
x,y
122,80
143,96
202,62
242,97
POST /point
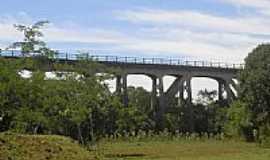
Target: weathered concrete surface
x,y
174,70
182,83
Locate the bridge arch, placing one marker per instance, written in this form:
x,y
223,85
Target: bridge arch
x,y
202,83
227,86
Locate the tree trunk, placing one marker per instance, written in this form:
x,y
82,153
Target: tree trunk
x,y
80,137
91,130
35,131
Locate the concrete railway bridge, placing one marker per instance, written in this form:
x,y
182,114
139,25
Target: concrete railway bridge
x,y
157,68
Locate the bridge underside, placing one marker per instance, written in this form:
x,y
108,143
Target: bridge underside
x,y
161,99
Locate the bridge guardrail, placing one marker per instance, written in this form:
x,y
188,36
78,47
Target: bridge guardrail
x,y
129,60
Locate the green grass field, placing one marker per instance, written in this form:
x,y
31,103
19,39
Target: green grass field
x,y
184,150
26,147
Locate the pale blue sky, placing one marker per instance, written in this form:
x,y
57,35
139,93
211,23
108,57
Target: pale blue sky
x,y
197,29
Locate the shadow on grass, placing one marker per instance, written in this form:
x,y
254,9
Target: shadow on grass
x,y
135,155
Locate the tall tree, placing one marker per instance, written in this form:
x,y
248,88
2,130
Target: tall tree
x,y
32,42
255,87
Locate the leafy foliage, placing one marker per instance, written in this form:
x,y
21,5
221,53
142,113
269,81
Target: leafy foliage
x,y
32,42
255,87
77,103
239,123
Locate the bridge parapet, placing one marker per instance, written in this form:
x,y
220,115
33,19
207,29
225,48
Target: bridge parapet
x,y
128,60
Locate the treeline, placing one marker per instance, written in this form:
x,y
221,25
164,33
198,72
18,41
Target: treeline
x,y
77,103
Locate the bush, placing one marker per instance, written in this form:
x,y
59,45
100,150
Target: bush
x,y
264,137
239,123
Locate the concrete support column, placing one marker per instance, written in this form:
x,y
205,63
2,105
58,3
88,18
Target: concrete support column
x,y
162,103
224,86
229,92
220,90
125,92
118,85
189,106
121,88
189,90
154,93
181,93
236,88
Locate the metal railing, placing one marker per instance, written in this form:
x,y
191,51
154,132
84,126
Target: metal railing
x,y
129,60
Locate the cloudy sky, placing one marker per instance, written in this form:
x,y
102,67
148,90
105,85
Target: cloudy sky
x,y
202,29
224,30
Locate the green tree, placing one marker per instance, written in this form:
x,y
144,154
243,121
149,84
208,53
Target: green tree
x,y
255,87
11,85
32,42
209,114
77,103
206,97
239,123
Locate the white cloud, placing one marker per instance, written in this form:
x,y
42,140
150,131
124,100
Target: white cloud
x,y
196,45
169,33
162,32
54,33
250,3
261,6
8,33
83,35
198,20
197,34
7,30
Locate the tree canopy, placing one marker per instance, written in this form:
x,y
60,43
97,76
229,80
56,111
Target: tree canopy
x,y
255,87
32,42
79,104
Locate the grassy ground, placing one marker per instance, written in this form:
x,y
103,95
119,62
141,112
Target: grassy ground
x,y
29,147
26,147
183,150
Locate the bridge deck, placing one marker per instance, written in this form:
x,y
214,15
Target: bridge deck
x,y
129,60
